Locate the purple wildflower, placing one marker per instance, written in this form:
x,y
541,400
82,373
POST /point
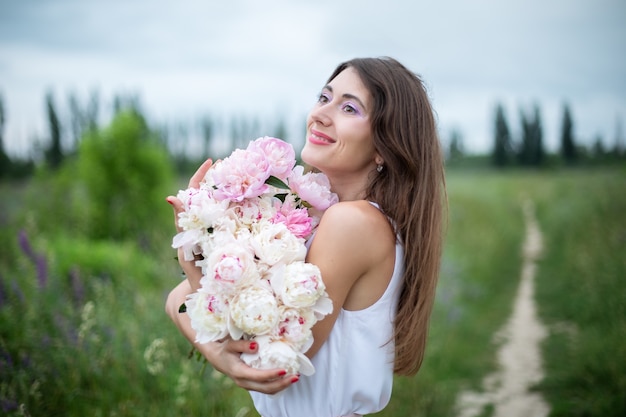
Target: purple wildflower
x,y
26,246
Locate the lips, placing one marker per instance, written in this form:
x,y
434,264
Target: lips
x,y
320,138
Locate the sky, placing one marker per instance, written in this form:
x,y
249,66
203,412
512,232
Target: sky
x,y
242,58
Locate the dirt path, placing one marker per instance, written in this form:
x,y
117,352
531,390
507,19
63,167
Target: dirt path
x,y
507,391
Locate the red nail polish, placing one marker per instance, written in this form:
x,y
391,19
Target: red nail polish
x,y
295,379
252,345
282,373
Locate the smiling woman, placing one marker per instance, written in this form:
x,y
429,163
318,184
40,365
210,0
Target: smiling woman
x,y
372,133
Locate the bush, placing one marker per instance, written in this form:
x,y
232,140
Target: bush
x,y
126,174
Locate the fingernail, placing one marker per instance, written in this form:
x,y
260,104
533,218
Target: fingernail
x,y
295,379
252,345
169,202
282,373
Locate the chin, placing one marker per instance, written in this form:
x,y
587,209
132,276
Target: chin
x,y
305,154
310,157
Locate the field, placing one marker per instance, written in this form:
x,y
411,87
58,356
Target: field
x,y
83,330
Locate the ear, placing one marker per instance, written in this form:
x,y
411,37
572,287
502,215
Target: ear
x,y
378,159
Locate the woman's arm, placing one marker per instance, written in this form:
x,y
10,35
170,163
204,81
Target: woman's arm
x,y
354,248
224,356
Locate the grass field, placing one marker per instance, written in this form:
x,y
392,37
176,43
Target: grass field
x,y
83,332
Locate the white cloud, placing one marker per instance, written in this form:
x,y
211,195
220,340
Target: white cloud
x,y
190,57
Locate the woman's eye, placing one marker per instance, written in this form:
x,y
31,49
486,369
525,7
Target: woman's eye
x,y
323,98
349,108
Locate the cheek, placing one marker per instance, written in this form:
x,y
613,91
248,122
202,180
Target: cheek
x,y
360,134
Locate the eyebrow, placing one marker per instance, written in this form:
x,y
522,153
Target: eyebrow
x,y
349,96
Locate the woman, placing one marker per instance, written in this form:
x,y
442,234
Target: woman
x,y
372,132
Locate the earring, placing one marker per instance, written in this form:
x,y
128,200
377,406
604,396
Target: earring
x,y
379,168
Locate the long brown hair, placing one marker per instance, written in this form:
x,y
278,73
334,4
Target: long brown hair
x,y
410,190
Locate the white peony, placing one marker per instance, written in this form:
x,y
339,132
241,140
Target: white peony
x,y
209,315
273,354
189,241
300,285
228,223
254,310
201,209
295,327
273,243
230,264
251,211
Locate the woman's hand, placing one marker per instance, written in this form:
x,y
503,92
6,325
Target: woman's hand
x,y
191,271
225,356
226,359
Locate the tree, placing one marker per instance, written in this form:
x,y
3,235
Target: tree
x,y
537,132
5,161
455,152
280,130
243,130
207,126
619,144
568,146
531,152
597,151
54,152
502,148
82,119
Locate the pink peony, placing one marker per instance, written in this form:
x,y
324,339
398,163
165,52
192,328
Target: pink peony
x,y
314,188
297,220
242,175
279,154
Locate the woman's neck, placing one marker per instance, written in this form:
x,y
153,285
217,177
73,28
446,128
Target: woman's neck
x,y
348,189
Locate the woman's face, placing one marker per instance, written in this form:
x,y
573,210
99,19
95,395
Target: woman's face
x,y
339,133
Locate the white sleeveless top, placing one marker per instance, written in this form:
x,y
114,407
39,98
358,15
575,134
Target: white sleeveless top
x,y
353,368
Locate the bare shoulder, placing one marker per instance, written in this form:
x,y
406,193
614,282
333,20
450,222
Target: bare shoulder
x,y
355,250
355,221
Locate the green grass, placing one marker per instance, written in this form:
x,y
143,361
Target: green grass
x,y
582,295
83,331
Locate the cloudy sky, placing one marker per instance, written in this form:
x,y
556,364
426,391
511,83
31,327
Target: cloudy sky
x,y
189,58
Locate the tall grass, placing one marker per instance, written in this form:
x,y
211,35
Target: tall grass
x,y
83,331
582,293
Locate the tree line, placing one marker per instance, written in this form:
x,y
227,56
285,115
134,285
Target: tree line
x,y
187,145
527,149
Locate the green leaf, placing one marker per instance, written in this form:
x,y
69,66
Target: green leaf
x,y
182,308
276,182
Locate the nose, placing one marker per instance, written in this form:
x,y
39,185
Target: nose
x,y
320,114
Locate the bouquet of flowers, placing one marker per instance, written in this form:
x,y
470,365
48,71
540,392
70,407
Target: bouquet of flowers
x,y
250,218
